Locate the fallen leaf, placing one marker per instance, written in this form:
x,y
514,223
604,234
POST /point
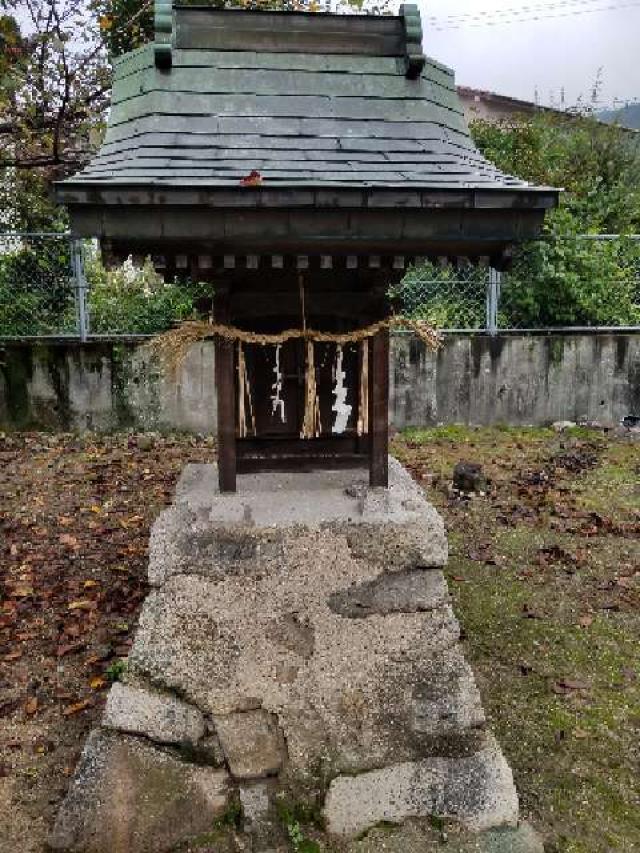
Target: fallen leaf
x,y
89,584
580,734
585,621
97,683
31,705
68,539
81,604
67,648
75,708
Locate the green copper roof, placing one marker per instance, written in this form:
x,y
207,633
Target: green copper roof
x,y
306,101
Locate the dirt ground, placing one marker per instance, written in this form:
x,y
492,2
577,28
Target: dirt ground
x,y
544,569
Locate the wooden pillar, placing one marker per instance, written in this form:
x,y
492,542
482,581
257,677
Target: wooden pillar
x,y
379,410
226,393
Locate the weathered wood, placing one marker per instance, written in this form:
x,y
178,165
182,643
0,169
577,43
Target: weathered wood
x,y
139,60
283,82
267,31
356,108
226,397
296,126
379,410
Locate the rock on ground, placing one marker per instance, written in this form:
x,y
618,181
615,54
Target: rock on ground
x,y
162,718
477,791
421,837
128,795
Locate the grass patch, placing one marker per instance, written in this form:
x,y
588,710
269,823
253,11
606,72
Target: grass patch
x,y
544,574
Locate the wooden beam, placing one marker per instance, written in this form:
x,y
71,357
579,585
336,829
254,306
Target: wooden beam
x,y
379,410
226,394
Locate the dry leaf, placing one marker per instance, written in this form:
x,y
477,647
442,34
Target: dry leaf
x,y
68,539
89,584
31,705
81,604
76,708
97,683
585,621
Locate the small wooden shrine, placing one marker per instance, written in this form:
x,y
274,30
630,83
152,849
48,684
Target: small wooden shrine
x,y
299,162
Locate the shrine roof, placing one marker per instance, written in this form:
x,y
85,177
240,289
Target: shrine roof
x,y
287,101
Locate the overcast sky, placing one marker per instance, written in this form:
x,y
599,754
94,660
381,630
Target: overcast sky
x,y
519,58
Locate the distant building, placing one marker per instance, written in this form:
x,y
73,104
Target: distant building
x,y
489,106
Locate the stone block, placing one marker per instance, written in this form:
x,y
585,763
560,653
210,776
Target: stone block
x,y
409,591
252,743
214,535
161,717
445,697
477,791
128,796
419,837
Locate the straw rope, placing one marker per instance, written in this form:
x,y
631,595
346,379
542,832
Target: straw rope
x,y
172,346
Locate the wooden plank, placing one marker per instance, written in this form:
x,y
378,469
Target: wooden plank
x,y
282,159
355,108
379,410
348,178
303,147
343,64
276,82
289,32
296,126
337,64
298,169
226,398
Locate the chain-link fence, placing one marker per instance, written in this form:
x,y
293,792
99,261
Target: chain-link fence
x,y
571,282
38,285
52,284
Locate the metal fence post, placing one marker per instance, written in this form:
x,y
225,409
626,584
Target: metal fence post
x,y
493,299
80,284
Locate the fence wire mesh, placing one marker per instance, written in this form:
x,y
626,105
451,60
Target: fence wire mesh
x,y
449,296
37,285
53,285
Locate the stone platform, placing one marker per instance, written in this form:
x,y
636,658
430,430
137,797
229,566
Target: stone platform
x,y
298,654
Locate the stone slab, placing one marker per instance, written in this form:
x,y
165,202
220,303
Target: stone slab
x,y
161,717
128,795
409,591
419,837
214,534
477,791
252,743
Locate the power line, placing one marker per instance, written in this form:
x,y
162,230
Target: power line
x,y
489,22
510,11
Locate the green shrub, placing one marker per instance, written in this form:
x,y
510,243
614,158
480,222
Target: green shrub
x,y
136,300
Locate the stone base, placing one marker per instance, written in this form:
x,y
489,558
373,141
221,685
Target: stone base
x,y
299,647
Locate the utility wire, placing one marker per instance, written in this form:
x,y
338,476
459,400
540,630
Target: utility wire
x,y
510,10
498,21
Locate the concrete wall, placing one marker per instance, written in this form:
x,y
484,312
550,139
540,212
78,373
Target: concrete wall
x,y
476,379
516,379
103,386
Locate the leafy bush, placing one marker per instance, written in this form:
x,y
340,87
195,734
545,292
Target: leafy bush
x,y
36,291
445,296
564,280
136,300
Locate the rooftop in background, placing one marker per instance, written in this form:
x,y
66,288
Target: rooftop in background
x,y
491,106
